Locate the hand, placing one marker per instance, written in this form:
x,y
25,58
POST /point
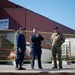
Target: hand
x,y
19,50
37,35
51,45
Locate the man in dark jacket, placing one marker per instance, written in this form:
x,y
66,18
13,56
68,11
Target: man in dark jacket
x,y
36,48
21,47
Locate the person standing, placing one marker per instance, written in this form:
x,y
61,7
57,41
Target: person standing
x,y
21,47
36,39
57,39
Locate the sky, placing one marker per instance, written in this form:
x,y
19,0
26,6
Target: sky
x,y
61,11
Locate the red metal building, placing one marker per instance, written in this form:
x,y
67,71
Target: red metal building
x,y
19,16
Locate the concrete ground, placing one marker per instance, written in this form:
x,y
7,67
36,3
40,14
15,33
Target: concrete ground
x,y
47,67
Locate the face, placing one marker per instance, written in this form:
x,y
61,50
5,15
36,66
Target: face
x,y
56,30
35,31
22,31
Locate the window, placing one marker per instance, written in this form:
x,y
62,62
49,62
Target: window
x,y
48,41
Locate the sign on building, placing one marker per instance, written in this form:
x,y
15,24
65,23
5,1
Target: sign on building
x,y
4,24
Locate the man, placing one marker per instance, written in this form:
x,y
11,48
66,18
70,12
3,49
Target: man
x,y
57,40
21,47
36,39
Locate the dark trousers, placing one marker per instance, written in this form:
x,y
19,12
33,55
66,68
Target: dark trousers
x,y
36,51
19,59
57,51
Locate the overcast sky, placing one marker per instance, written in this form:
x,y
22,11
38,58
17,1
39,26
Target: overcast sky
x,y
61,11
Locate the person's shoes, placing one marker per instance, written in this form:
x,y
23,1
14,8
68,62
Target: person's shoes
x,y
60,67
21,68
16,68
40,68
32,67
54,67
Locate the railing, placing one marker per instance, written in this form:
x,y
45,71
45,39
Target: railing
x,y
8,45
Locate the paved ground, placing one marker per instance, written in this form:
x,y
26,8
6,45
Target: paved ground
x,y
46,68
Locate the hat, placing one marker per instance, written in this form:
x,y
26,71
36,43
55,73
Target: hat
x,y
21,28
56,28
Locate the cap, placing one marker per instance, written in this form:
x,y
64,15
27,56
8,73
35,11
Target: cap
x,y
21,28
56,28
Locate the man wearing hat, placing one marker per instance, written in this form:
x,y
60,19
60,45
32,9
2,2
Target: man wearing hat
x,y
21,47
57,39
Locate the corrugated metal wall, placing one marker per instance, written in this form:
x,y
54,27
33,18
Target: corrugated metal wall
x,y
16,17
23,17
26,18
46,36
35,20
44,24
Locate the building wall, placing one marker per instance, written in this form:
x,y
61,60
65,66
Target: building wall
x,y
16,17
26,18
19,16
46,43
44,24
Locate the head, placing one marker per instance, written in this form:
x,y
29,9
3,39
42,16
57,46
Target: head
x,y
56,29
35,30
21,30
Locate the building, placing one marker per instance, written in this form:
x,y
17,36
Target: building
x,y
19,16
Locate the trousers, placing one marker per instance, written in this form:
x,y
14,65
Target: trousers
x,y
36,51
57,51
